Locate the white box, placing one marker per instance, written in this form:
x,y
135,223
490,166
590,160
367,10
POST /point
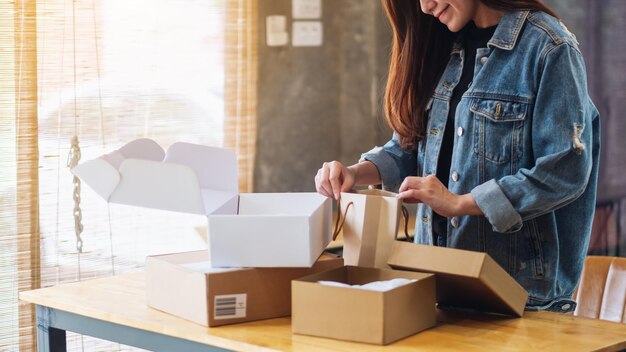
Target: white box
x,y
244,230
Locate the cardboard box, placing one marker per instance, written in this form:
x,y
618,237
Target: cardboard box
x,y
465,279
247,230
185,285
360,315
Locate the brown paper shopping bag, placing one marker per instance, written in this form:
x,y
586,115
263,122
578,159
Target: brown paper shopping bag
x,y
370,224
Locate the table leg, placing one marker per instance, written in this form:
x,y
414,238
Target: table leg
x,y
49,339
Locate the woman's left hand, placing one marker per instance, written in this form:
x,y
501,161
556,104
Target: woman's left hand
x,y
430,191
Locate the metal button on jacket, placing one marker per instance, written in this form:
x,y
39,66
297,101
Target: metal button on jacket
x,y
483,60
460,131
454,222
455,176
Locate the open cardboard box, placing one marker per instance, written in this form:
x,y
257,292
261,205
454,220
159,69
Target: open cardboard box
x,y
244,230
465,279
359,315
185,285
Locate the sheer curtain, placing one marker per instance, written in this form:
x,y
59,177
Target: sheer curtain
x,y
80,78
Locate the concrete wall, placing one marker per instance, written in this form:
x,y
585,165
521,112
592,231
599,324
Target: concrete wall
x,y
323,103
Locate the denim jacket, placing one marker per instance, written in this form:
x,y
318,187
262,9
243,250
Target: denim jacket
x,y
526,146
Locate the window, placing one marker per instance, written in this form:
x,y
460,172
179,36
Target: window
x,y
108,72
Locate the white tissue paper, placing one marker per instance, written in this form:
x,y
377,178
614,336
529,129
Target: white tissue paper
x,y
381,286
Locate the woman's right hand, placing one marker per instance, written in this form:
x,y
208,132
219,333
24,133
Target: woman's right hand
x,y
334,178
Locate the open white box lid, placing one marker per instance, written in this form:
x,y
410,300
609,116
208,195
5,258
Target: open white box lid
x,y
188,178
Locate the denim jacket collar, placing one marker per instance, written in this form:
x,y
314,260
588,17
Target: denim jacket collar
x,y
506,34
508,30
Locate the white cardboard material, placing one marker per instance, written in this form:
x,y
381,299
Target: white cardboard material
x,y
291,227
247,230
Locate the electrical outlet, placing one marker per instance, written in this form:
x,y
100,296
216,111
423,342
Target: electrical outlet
x,y
306,9
307,33
276,30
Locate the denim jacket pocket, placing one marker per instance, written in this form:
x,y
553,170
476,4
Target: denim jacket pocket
x,y
498,128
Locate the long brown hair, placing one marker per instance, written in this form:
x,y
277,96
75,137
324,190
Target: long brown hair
x,y
420,52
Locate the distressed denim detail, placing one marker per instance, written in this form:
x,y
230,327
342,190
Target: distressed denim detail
x,y
577,144
527,152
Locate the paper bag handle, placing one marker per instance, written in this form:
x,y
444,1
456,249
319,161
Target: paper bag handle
x,y
405,215
340,219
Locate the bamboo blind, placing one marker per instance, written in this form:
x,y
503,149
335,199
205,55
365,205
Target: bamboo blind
x,y
241,87
107,72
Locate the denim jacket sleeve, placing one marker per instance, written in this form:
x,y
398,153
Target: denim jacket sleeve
x,y
562,139
393,163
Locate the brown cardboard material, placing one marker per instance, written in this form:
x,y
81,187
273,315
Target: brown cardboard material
x,y
184,284
370,227
360,315
465,279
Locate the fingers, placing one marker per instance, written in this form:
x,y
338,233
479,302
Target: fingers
x,y
411,183
417,189
411,196
430,191
348,179
318,185
335,178
347,185
325,182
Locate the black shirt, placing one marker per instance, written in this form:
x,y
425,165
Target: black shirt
x,y
474,38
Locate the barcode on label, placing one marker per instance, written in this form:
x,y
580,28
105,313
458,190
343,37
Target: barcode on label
x,y
230,306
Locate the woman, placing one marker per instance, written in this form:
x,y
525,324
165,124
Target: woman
x,y
495,137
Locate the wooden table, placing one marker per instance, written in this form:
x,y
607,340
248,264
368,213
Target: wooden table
x,y
115,309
